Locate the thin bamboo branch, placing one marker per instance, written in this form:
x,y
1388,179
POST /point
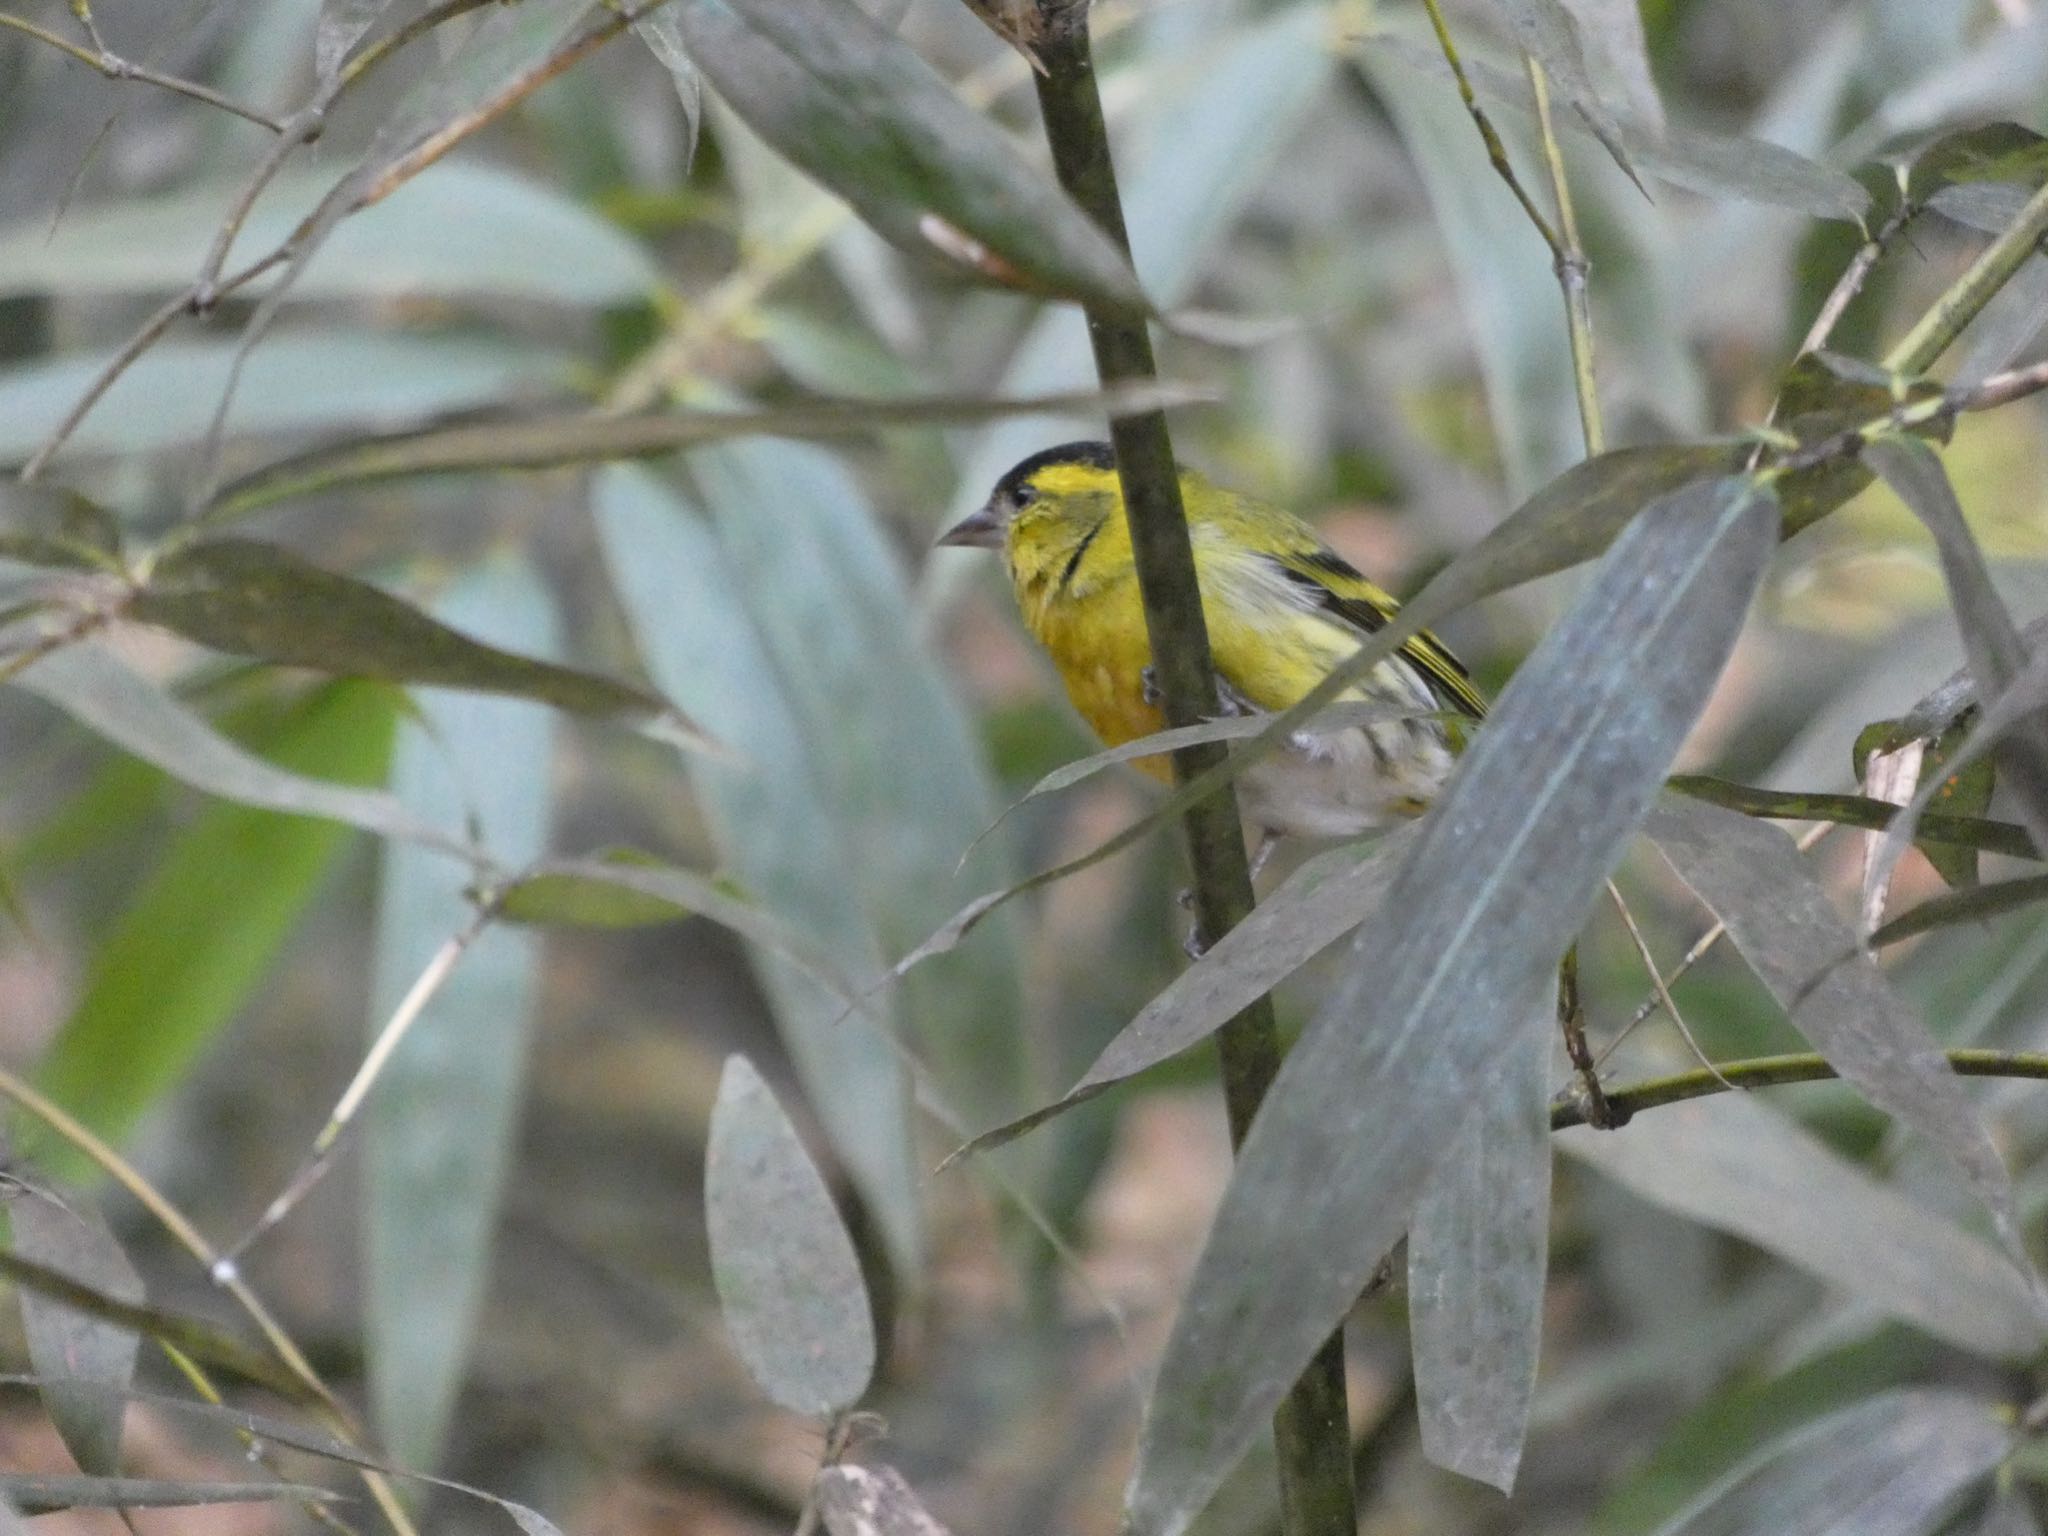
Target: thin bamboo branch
x,y
1311,1428
1496,151
114,67
1967,296
1568,259
1769,1071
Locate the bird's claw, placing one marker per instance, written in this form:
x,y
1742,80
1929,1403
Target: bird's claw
x,y
1148,687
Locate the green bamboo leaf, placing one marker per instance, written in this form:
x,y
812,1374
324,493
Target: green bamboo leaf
x,y
558,898
262,601
772,827
202,1341
34,1494
1975,905
439,1129
892,748
1991,640
306,381
789,1282
1943,831
1492,892
1736,1164
207,925
461,229
850,104
548,440
1502,268
1890,1466
1314,907
67,1345
1478,1257
1787,929
269,1429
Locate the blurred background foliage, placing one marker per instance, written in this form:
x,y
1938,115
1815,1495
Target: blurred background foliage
x,y
510,1272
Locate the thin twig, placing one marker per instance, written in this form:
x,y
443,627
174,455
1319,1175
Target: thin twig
x,y
389,1038
145,336
2004,388
1851,282
1496,151
255,1449
1635,934
114,67
1701,945
1568,260
1769,1071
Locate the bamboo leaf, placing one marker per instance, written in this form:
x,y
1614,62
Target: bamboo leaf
x,y
789,1282
560,898
1490,895
262,601
306,381
1890,1466
67,1345
33,1494
892,749
1991,640
314,1442
1735,1164
461,229
101,692
548,440
770,822
1478,1255
1317,905
850,104
438,1132
1782,921
1941,830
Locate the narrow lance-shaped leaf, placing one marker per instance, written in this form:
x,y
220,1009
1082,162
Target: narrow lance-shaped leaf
x,y
853,106
34,1494
1478,1256
203,929
891,746
1787,929
1314,907
1990,638
1891,1466
268,1429
769,821
789,1282
259,600
1489,897
544,440
439,1129
69,1346
1734,1163
103,693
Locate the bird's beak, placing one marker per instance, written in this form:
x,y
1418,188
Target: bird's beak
x,y
983,530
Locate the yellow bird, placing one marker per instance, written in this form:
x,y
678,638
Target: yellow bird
x,y
1282,608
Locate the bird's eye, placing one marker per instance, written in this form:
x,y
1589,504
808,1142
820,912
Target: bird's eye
x,y
1023,496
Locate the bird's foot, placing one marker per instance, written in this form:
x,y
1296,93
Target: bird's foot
x,y
1148,688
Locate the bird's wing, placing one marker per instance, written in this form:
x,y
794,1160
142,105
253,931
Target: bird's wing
x,y
1342,590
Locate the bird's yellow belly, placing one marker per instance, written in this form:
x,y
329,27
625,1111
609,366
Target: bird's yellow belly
x,y
1101,650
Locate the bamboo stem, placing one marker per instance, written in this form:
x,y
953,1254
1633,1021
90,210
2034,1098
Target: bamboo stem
x,y
1311,1428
